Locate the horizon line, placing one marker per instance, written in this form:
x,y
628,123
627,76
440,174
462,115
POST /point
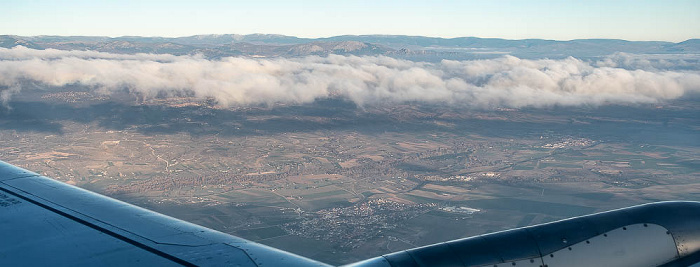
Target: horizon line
x,y
357,35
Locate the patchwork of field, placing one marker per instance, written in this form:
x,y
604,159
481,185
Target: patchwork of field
x,y
339,183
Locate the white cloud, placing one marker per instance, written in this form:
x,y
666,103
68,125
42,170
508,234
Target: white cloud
x,y
506,81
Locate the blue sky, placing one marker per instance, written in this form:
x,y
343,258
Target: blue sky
x,y
668,20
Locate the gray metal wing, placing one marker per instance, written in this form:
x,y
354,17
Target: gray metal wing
x,y
44,222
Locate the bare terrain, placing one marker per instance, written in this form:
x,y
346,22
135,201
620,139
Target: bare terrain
x,y
339,183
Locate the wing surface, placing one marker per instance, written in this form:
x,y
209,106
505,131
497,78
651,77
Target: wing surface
x,y
45,222
656,234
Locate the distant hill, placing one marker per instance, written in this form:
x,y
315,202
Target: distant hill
x,y
412,47
342,47
296,50
220,39
689,46
12,41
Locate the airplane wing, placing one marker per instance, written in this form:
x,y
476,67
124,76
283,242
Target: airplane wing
x,y
46,222
659,234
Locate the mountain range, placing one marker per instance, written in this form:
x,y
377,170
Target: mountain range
x,y
401,46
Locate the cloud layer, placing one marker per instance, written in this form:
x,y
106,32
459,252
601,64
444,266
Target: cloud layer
x,y
503,82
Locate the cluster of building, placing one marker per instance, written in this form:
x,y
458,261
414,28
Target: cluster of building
x,y
350,226
570,142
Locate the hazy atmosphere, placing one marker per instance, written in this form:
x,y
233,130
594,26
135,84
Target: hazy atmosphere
x,y
647,20
345,130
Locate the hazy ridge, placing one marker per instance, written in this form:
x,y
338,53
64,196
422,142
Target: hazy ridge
x,y
412,47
